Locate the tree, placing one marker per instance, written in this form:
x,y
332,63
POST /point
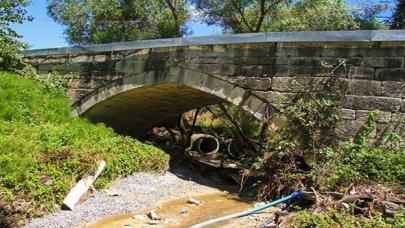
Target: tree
x,y
313,15
106,21
398,18
11,12
241,16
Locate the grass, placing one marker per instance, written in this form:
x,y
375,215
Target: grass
x,y
40,138
334,218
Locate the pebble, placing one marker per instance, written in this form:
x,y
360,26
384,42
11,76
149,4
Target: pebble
x,y
152,215
147,187
194,201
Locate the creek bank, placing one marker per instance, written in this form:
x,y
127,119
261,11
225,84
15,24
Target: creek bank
x,y
132,193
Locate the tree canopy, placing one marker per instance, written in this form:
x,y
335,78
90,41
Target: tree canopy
x,y
11,11
106,21
398,18
240,16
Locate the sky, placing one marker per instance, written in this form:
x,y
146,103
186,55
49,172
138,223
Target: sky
x,y
43,32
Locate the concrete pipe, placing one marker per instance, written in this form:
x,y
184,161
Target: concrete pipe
x,y
203,143
236,149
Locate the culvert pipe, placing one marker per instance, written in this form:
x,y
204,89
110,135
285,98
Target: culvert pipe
x,y
204,143
235,149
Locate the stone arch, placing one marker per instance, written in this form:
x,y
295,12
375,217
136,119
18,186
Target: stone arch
x,y
135,103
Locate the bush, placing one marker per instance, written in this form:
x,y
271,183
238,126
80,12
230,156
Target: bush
x,y
39,138
11,56
334,218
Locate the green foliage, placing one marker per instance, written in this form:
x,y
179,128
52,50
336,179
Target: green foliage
x,y
398,17
334,218
313,15
216,121
106,21
39,137
302,149
284,15
359,161
11,12
366,129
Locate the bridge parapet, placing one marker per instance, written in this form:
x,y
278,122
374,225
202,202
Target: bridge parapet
x,y
264,65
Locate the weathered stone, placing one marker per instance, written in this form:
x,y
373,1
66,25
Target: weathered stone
x,y
393,74
276,70
383,117
347,114
364,87
273,97
348,129
383,62
393,89
146,84
359,72
371,103
252,83
296,84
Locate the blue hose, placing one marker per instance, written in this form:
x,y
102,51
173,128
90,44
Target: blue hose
x,y
292,196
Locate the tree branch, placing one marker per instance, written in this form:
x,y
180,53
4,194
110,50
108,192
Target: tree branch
x,y
240,11
175,16
264,12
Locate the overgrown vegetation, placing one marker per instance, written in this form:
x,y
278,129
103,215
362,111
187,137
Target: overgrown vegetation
x,y
334,218
304,151
11,12
40,140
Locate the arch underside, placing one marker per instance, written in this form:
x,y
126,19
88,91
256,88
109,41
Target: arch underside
x,y
134,104
134,111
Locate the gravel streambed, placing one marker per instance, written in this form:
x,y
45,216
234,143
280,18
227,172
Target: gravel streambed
x,y
131,193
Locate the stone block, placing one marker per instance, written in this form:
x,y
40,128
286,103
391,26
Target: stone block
x,y
316,70
129,67
252,83
296,84
391,74
222,69
276,70
251,71
383,62
347,114
80,58
393,89
273,97
87,83
364,87
348,129
371,103
359,72
76,94
383,117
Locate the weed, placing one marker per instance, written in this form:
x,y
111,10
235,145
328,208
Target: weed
x,y
39,137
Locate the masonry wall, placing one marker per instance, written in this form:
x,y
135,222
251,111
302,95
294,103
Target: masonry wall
x,y
374,72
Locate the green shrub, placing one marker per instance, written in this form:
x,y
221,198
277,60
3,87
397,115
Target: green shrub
x,y
334,218
39,137
11,12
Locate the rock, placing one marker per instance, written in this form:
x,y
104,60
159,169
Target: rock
x,y
183,211
111,192
45,180
259,204
139,217
154,222
152,215
271,225
191,200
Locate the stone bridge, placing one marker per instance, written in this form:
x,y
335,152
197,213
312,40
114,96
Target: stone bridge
x,y
133,86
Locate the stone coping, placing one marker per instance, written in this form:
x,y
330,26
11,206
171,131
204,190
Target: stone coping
x,y
269,37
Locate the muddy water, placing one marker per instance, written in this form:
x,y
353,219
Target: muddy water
x,y
179,213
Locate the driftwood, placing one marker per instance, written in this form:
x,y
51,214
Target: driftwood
x,y
80,188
